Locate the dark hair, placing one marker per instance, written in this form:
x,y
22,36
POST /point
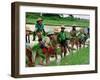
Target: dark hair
x,y
40,39
74,28
37,21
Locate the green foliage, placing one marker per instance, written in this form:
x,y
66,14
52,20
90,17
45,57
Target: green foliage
x,y
79,57
56,20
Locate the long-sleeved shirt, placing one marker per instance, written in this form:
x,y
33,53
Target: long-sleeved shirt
x,y
39,27
62,36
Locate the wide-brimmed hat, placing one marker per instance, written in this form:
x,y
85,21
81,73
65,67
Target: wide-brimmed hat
x,y
39,19
62,27
50,33
56,30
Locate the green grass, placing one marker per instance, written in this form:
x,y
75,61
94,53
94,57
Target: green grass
x,y
79,57
56,20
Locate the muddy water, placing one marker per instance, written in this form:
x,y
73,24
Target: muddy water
x,y
50,28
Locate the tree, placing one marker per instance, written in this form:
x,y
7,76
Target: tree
x,y
71,17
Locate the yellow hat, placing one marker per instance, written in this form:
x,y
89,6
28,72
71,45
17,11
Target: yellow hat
x,y
50,33
39,19
62,27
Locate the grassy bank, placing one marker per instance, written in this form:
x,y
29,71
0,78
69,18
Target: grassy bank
x,y
56,20
79,57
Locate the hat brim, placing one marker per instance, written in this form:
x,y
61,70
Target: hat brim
x,y
40,20
49,34
62,28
